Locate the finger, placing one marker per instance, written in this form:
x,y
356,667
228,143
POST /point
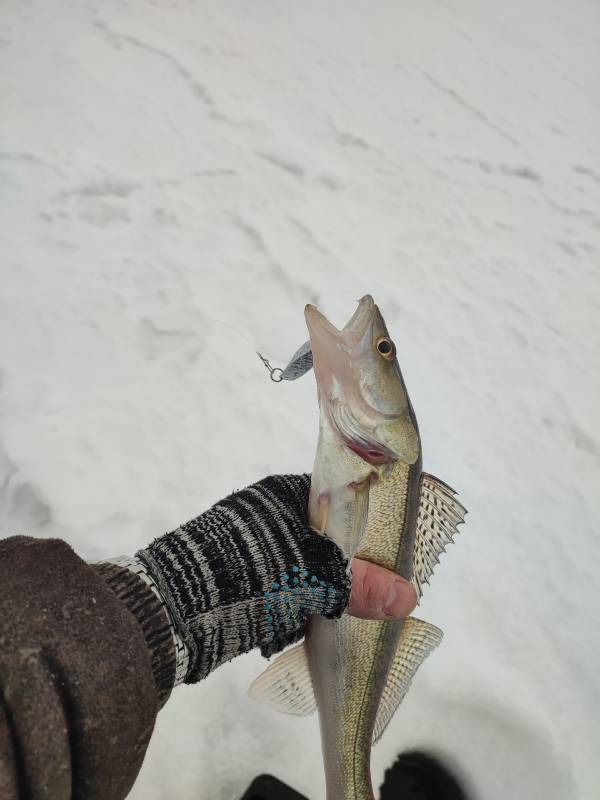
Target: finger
x,y
378,593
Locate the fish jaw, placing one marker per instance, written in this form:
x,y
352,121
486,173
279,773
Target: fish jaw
x,y
360,388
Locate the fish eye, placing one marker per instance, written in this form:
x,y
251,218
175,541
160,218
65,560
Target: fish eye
x,y
386,348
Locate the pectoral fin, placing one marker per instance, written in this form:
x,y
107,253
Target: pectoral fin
x,y
417,640
286,684
361,512
438,518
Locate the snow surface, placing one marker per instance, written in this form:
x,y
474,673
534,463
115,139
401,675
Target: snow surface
x,y
178,179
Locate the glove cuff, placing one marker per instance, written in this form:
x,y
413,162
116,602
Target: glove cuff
x,y
126,579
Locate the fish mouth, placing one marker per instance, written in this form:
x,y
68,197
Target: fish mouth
x,y
362,316
336,353
354,329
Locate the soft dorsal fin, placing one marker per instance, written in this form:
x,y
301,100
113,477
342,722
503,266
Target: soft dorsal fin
x,y
438,518
417,640
286,684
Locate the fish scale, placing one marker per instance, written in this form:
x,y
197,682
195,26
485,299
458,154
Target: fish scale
x,y
387,535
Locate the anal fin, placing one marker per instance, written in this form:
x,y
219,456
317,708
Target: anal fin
x,y
417,640
286,684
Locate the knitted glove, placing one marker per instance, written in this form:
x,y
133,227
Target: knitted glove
x,y
247,573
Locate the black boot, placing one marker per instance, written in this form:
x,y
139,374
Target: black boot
x,y
418,776
266,787
412,776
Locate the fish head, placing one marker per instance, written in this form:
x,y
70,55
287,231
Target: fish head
x,y
361,389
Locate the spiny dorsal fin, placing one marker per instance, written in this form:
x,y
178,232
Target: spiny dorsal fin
x,y
417,640
286,684
438,518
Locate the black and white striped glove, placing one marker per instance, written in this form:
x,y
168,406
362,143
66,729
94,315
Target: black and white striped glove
x,y
247,573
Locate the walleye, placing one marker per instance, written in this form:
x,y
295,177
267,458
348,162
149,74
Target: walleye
x,y
368,493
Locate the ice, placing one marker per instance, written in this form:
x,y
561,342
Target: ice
x,y
178,180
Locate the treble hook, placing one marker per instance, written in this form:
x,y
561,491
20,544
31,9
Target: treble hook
x,y
274,372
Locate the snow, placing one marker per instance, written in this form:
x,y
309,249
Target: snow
x,y
178,180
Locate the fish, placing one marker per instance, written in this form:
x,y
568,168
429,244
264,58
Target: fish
x,y
369,494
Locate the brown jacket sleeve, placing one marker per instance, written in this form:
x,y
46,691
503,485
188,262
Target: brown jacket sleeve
x,y
78,697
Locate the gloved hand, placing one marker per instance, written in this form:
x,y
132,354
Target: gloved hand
x,y
250,571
